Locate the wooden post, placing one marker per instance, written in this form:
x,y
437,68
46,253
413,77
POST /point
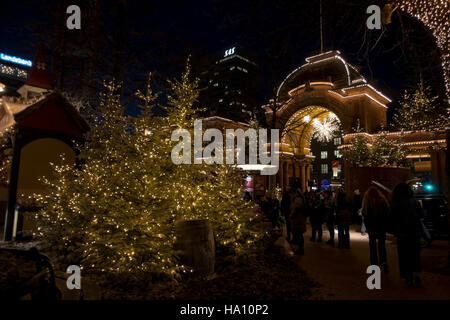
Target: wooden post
x,y
12,191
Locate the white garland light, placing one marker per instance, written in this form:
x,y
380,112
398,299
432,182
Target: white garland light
x,y
434,15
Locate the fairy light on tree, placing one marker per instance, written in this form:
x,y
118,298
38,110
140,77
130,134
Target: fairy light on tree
x,y
419,111
117,214
435,15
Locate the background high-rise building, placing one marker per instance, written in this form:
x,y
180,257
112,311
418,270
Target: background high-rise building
x,y
13,73
229,84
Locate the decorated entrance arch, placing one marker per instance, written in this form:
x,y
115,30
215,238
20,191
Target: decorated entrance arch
x,y
321,96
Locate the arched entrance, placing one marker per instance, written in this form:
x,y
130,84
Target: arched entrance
x,y
35,163
44,128
326,91
35,160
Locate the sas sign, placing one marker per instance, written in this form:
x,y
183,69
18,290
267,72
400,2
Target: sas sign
x,y
229,52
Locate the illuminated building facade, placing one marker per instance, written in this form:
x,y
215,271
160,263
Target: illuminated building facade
x,y
229,84
13,73
324,90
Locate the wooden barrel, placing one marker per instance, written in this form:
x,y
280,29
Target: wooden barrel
x,y
195,242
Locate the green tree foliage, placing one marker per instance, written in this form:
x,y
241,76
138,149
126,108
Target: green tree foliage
x,y
419,111
359,153
381,151
117,212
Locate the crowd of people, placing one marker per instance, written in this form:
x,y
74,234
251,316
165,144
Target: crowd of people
x,y
378,212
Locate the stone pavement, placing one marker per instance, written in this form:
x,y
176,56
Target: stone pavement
x,y
342,272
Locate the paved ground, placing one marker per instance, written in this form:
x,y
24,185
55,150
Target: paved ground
x,y
342,272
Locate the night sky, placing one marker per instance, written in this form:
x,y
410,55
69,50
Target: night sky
x,y
161,34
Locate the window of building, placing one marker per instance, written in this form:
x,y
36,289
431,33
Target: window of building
x,y
324,168
216,84
337,154
323,154
337,141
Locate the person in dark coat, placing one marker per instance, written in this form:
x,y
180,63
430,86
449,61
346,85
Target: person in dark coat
x,y
343,208
309,201
298,219
405,224
316,217
266,206
329,215
375,210
356,205
247,196
286,211
275,218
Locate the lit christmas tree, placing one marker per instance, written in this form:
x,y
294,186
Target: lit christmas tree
x,y
419,111
359,153
387,152
117,212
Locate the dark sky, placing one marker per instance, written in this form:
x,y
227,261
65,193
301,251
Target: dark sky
x,y
161,34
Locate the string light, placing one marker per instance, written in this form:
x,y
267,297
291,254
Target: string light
x,y
434,15
118,213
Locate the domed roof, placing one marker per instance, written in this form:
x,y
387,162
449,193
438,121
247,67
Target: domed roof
x,y
325,67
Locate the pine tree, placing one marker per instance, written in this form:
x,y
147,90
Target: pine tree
x,y
387,152
117,212
359,153
381,151
419,111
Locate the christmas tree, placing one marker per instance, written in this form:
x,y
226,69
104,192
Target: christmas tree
x,y
358,154
419,111
377,152
116,212
387,152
